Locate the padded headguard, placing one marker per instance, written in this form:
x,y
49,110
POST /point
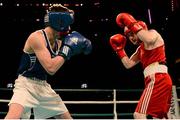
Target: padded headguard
x,y
59,17
60,21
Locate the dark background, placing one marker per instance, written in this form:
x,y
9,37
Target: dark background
x,y
102,68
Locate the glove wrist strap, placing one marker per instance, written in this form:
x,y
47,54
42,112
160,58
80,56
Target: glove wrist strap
x,y
65,52
121,53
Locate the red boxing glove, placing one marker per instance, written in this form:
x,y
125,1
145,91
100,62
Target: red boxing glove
x,y
125,19
141,23
118,43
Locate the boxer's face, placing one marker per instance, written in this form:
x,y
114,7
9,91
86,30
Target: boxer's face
x,y
131,36
134,39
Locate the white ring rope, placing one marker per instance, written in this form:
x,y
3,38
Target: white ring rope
x,y
95,90
88,102
87,90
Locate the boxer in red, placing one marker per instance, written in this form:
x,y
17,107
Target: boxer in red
x,y
156,97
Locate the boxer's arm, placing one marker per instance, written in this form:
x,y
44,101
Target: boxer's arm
x,y
118,42
150,37
38,45
130,62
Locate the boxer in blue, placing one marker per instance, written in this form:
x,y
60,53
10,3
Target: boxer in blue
x,y
44,52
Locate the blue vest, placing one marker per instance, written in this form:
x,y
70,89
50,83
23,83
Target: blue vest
x,y
30,65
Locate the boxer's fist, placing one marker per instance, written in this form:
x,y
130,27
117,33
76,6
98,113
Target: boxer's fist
x,y
125,19
74,44
118,43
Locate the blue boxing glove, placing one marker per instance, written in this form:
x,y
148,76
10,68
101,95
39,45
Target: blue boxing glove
x,y
74,44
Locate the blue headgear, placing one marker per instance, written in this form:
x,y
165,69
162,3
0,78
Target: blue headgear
x,y
60,21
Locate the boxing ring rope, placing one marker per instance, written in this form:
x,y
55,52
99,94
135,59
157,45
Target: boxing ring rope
x,y
114,101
